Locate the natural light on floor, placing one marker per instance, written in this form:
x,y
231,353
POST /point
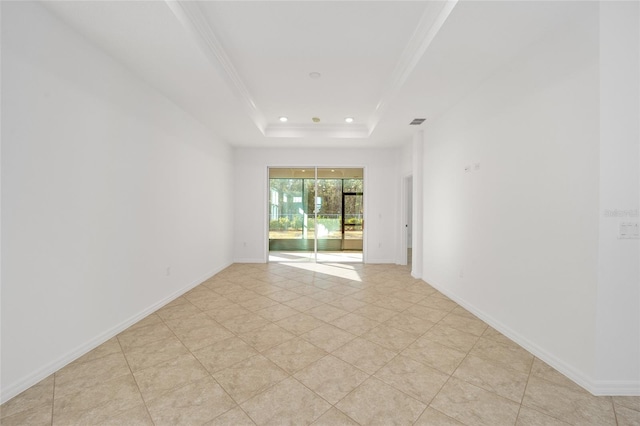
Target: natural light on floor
x,y
339,264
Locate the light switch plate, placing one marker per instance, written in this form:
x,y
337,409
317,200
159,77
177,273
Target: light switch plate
x,y
629,230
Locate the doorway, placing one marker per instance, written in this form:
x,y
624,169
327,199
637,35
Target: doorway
x,y
316,214
409,218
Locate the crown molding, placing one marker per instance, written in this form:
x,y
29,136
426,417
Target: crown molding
x,y
191,17
428,27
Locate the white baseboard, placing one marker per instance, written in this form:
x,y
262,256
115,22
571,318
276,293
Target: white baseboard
x,y
44,372
617,388
595,387
249,260
371,261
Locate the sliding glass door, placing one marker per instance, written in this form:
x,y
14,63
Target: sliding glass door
x,y
315,210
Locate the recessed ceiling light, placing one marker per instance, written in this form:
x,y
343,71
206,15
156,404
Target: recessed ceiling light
x,y
314,75
303,170
315,119
349,119
332,170
284,119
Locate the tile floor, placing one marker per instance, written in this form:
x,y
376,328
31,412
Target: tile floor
x,y
341,344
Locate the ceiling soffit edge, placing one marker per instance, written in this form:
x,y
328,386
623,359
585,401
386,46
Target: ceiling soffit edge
x,y
189,14
428,27
191,17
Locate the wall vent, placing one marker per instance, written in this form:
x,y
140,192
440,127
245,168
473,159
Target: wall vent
x,y
417,121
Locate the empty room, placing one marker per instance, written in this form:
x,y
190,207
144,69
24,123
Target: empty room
x,y
320,212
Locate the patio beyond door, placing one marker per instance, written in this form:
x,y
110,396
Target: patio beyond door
x,y
316,209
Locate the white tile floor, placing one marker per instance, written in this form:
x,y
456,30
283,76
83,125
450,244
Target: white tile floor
x,y
304,343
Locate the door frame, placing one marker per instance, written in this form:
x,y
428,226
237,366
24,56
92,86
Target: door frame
x,y
344,195
267,194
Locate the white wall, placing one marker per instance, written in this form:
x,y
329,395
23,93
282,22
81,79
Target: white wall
x,y
105,184
381,196
618,307
516,241
406,159
417,205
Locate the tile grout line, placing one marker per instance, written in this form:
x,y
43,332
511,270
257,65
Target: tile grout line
x,y
262,354
368,375
450,375
144,402
53,398
525,388
391,360
548,382
205,369
323,398
615,413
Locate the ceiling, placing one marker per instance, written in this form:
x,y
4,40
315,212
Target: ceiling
x,y
238,66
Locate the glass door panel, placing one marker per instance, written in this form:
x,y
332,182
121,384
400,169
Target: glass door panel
x,y
310,213
329,214
291,216
315,210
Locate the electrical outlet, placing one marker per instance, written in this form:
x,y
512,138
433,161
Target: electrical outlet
x,y
168,270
